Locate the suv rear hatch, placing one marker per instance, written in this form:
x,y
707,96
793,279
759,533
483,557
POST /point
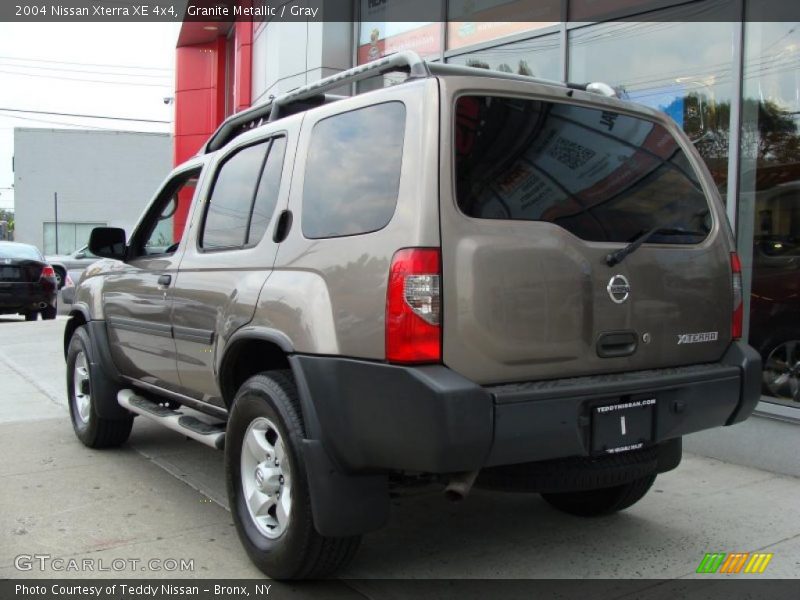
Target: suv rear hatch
x,y
537,191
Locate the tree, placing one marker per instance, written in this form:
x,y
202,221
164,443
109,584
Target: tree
x,y
8,216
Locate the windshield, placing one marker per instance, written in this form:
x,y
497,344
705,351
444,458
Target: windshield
x,y
19,252
601,175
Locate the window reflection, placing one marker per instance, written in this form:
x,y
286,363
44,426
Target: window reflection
x,y
539,57
682,68
770,200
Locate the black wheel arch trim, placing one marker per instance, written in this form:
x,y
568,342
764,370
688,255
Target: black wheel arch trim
x,y
244,334
266,334
107,406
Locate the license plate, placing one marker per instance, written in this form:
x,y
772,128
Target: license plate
x,y
623,426
10,273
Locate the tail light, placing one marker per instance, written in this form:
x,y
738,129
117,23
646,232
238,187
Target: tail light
x,y
47,271
413,307
738,298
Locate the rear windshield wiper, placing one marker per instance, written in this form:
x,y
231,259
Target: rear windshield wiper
x,y
616,257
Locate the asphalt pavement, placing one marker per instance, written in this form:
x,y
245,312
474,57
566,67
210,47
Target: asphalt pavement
x,y
161,498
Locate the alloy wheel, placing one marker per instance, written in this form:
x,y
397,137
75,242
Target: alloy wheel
x,y
82,387
266,478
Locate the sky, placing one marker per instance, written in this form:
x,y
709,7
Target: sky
x,y
105,69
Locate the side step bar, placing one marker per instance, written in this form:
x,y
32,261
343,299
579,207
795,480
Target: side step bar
x,y
205,433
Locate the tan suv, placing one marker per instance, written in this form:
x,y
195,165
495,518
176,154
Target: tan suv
x,y
468,277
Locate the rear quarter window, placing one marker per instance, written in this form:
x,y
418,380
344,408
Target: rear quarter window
x,y
352,173
601,175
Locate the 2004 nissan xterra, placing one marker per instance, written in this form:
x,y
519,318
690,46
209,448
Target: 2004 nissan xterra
x,y
469,277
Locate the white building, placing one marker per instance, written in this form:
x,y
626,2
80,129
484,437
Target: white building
x,y
101,178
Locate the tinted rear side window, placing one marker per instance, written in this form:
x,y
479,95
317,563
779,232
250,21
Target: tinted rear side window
x,y
353,171
601,175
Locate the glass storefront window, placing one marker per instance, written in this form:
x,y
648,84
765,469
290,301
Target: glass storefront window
x,y
684,69
378,39
379,36
71,236
538,57
769,202
477,21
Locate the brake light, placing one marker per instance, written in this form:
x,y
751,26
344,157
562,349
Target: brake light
x,y
738,298
48,271
413,307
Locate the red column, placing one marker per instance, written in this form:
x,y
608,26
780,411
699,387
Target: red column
x,y
243,75
200,89
199,103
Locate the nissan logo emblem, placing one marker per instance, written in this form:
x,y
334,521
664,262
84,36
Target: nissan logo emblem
x,y
619,289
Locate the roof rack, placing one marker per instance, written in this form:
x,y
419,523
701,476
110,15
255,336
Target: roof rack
x,y
313,94
316,94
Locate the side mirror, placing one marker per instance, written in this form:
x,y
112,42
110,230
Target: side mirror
x,y
108,242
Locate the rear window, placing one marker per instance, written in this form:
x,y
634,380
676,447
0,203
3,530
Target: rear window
x,y
353,171
19,252
601,175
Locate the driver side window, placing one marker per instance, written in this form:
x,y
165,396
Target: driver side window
x,y
159,234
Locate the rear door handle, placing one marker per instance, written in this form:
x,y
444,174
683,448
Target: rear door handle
x,y
283,226
165,280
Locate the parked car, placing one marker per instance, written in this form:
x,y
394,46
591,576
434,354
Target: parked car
x,y
74,261
775,314
470,277
27,282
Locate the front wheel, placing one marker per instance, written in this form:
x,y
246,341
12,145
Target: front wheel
x,y
267,484
605,501
87,385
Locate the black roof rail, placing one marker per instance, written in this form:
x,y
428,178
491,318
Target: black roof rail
x,y
313,94
316,94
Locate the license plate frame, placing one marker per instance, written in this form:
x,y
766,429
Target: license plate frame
x,y
623,426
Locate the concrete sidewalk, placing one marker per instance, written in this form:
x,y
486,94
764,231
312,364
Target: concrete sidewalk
x,y
162,497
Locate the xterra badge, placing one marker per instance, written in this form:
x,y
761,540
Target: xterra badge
x,y
697,338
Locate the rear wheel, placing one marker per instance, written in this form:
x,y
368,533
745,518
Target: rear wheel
x,y
31,315
60,277
267,484
49,313
87,385
605,501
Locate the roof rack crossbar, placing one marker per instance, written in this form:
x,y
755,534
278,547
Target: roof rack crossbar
x,y
451,69
271,110
401,60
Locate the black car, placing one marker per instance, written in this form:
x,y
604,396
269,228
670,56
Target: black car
x,y
27,282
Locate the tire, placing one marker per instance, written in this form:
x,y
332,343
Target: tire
x,y
60,278
605,501
31,315
49,313
781,371
87,385
265,421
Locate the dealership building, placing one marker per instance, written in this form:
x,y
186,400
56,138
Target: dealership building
x,y
731,83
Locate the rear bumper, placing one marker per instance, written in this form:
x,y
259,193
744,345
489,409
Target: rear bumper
x,y
28,296
374,417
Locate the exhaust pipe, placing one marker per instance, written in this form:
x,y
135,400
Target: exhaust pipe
x,y
42,304
460,485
